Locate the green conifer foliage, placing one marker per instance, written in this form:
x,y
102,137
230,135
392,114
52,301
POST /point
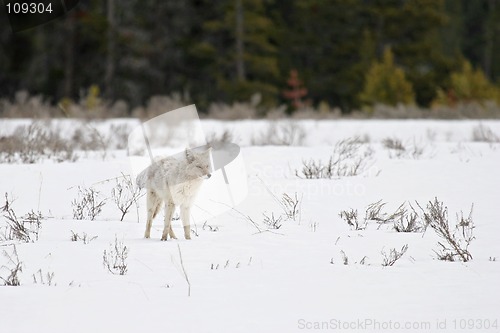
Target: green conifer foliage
x,y
386,83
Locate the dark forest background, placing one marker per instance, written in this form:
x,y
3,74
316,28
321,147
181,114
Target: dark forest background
x,y
346,53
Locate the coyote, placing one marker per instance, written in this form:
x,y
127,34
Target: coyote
x,y
175,181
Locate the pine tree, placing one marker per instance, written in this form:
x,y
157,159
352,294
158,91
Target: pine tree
x,y
243,46
468,85
386,83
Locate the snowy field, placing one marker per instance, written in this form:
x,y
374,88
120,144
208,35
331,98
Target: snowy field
x,y
313,273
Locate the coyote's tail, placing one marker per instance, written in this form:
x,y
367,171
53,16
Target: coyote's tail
x,y
142,178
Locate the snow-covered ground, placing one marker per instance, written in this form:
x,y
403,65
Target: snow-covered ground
x,y
292,279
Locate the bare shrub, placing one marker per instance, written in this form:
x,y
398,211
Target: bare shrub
x,y
313,170
272,222
24,105
347,159
158,104
86,239
482,133
283,133
226,136
351,217
35,142
88,138
393,143
88,204
115,259
393,255
234,111
409,222
291,206
118,138
125,194
45,140
402,219
397,149
457,241
46,279
13,267
209,227
25,229
374,213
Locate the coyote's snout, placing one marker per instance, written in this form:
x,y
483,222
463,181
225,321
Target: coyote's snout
x,y
175,181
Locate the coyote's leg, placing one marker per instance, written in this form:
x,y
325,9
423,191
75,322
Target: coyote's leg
x,y
186,217
169,212
154,203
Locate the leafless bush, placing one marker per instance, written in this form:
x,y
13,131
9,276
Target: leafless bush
x,y
157,105
234,111
25,229
397,149
351,217
482,133
463,110
226,136
115,259
313,170
35,142
272,222
457,241
88,138
288,133
118,138
13,267
24,105
348,159
125,194
393,255
291,206
409,222
394,145
86,239
402,218
48,280
209,227
87,204
374,213
45,140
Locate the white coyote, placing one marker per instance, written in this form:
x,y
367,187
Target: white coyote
x,y
175,181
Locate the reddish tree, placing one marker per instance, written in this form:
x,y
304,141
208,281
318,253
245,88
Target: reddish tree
x,y
296,91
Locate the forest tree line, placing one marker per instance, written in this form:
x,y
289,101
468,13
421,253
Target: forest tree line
x,y
229,50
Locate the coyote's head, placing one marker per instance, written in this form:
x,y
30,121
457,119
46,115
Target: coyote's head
x,y
199,164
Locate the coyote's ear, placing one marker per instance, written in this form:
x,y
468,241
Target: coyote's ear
x,y
189,156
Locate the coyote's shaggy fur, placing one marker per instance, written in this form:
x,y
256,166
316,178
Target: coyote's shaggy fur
x,y
175,182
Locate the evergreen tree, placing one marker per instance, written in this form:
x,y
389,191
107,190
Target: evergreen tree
x,y
322,41
468,85
412,29
243,43
386,83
